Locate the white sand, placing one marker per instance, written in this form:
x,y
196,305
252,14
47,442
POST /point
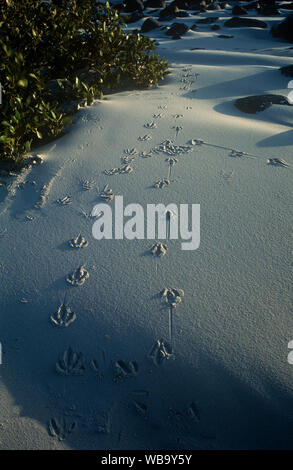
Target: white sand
x,y
232,328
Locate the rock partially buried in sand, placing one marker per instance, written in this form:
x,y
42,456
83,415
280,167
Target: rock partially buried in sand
x,y
177,29
284,29
268,10
257,103
286,6
287,70
238,10
155,4
169,13
133,5
209,20
237,22
149,24
78,277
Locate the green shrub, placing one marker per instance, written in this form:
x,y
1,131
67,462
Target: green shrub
x,y
58,52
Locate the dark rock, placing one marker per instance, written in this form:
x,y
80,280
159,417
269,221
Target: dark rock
x,y
213,7
155,4
134,17
289,6
118,6
267,10
215,27
257,103
181,4
287,70
177,29
237,22
194,6
268,2
225,36
252,6
208,20
237,10
168,13
176,36
182,14
149,24
133,5
194,27
284,30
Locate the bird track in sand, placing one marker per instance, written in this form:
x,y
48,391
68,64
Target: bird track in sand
x,y
72,363
124,370
107,194
145,138
63,317
78,242
61,428
78,277
160,351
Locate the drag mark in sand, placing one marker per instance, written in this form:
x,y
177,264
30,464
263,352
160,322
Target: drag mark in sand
x,y
172,297
158,250
171,161
277,162
177,129
238,153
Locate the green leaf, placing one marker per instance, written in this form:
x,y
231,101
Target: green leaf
x,y
39,135
22,82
